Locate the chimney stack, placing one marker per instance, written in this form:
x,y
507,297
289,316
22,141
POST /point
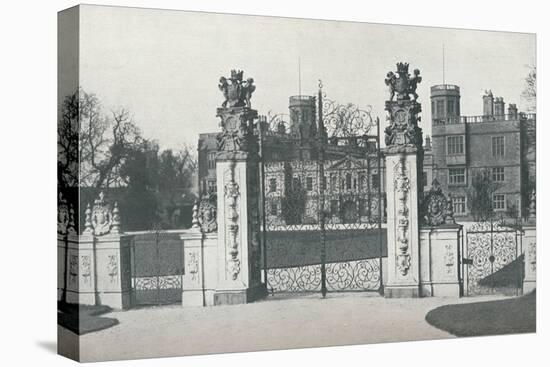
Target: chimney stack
x,y
499,106
512,111
488,103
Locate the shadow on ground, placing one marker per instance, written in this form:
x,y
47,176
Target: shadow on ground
x,y
510,316
84,319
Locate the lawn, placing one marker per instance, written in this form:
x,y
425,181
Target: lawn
x,y
510,316
298,248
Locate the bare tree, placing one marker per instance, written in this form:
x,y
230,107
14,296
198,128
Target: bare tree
x,y
105,141
67,143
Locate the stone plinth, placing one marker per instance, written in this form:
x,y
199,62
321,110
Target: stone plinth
x,y
529,243
200,259
439,261
403,274
113,283
80,275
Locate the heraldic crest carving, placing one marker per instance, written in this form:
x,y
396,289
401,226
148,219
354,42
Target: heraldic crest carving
x,y
403,112
207,213
436,208
237,92
101,219
237,118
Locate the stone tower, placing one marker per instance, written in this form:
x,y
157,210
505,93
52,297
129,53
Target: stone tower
x,y
302,117
445,102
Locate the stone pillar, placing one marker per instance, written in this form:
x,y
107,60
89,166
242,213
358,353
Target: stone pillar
x,y
237,172
80,274
104,267
66,233
193,277
113,283
403,156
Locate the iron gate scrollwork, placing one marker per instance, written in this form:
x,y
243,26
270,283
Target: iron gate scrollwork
x,y
321,198
492,260
157,268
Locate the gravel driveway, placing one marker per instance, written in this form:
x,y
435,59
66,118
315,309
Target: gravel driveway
x,y
275,323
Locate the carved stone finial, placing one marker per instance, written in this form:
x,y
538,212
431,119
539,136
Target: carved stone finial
x,y
88,228
116,219
62,214
237,92
71,227
195,220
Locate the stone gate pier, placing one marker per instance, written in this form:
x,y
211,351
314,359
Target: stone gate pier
x,y
238,195
403,154
423,239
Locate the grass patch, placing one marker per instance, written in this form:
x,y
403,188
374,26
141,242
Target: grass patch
x,y
299,248
84,319
510,316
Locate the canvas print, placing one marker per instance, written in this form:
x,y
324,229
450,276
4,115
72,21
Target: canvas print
x,y
234,183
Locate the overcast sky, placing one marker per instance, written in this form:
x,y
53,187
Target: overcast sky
x,y
164,66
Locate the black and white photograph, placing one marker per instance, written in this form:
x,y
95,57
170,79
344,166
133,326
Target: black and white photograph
x,y
229,183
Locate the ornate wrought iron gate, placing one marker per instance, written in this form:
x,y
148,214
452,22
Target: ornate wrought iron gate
x,y
322,201
492,259
157,268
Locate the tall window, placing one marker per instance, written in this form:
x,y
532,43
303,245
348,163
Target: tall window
x,y
455,144
440,107
348,181
324,183
333,207
273,208
362,181
333,182
498,174
457,176
459,204
309,183
211,160
272,184
362,207
450,108
499,202
498,146
296,183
